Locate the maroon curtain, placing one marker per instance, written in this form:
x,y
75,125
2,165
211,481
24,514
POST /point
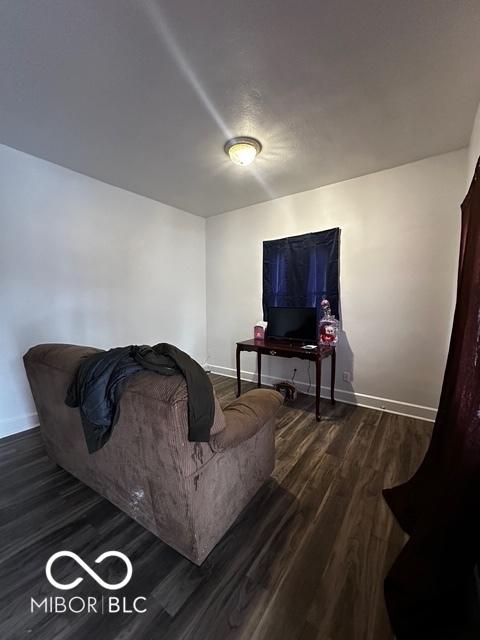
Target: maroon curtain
x,y
428,588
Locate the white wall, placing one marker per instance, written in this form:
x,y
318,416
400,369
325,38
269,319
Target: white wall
x,y
474,148
399,249
87,263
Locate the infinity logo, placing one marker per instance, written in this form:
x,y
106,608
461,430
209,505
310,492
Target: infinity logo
x,y
96,577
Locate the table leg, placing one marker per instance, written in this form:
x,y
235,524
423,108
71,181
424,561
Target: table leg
x,y
332,380
259,369
318,385
239,382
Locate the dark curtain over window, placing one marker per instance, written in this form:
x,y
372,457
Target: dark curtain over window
x,y
427,589
301,271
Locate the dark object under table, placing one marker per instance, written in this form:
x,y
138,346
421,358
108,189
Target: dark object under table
x,y
284,349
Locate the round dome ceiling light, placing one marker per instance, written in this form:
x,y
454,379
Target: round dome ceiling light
x,y
242,150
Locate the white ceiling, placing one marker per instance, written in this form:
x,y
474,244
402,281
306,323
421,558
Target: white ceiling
x,y
143,94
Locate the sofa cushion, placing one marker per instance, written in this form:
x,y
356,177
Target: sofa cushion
x,y
245,416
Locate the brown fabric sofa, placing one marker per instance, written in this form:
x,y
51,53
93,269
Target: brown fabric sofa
x,y
188,494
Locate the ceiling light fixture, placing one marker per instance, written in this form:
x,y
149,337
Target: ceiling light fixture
x,y
242,150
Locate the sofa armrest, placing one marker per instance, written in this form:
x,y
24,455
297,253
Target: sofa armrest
x,y
245,416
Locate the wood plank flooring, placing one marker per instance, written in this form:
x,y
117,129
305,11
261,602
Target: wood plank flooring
x,y
305,561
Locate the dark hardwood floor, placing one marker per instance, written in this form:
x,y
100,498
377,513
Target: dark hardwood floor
x,y
306,560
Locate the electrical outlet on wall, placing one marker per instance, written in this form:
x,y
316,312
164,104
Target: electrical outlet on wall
x,y
347,376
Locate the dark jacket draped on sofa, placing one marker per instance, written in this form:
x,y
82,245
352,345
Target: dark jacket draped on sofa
x,y
98,383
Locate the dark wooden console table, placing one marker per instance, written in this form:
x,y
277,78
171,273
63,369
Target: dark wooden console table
x,y
290,350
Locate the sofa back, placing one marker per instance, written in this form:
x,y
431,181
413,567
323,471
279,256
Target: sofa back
x,y
141,467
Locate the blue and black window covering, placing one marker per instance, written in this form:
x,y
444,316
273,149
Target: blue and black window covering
x,y
301,271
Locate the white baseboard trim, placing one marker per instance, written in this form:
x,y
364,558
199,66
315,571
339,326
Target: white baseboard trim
x,y
349,397
9,426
